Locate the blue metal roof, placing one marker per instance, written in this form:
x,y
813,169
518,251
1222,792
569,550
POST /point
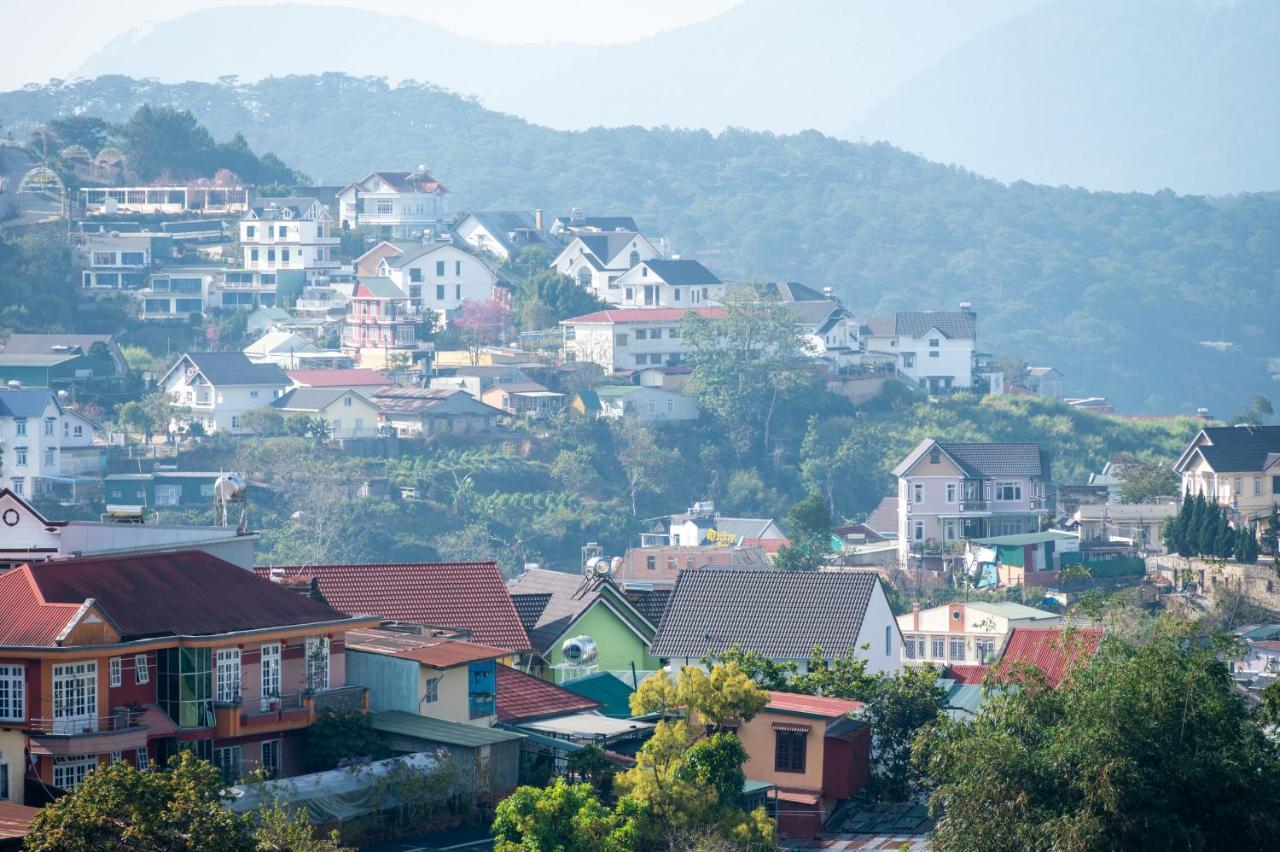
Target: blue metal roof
x,y
24,402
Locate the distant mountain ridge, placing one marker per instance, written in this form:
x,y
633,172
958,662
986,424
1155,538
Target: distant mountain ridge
x,y
1119,291
1140,94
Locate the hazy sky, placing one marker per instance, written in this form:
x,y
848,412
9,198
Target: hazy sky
x,y
48,38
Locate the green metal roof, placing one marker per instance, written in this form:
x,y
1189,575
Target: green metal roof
x,y
1022,539
440,730
606,688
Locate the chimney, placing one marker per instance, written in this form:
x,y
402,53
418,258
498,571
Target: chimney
x,y
915,616
537,219
966,308
576,216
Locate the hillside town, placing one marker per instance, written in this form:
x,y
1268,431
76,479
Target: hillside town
x,y
144,618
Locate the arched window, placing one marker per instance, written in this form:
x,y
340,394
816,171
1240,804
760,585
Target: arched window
x,y
634,258
584,277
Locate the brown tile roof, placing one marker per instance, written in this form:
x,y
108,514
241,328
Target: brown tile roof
x,y
1053,650
465,595
522,698
180,593
433,651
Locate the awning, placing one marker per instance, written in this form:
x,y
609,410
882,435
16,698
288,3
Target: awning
x,y
799,797
158,723
797,727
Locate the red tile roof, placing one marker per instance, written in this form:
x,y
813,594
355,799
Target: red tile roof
x,y
466,595
1053,650
180,593
337,378
433,651
811,705
967,674
26,620
648,315
522,698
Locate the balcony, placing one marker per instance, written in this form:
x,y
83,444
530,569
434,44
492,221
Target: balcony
x,y
252,714
64,737
973,505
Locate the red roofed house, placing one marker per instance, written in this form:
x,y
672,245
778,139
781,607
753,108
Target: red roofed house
x,y
630,339
137,657
811,749
465,596
1053,650
525,698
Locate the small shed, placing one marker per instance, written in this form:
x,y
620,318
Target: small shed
x,y
491,756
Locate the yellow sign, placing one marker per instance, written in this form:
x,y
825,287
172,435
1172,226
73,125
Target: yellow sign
x,y
717,537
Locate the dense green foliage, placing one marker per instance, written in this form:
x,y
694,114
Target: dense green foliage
x,y
1146,747
1202,528
341,737
180,808
1119,291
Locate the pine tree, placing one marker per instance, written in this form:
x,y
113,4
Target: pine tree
x,y
1225,541
1207,529
1237,551
1251,545
1182,528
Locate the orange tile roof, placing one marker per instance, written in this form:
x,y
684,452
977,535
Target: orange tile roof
x,y
1053,650
811,705
523,697
433,651
463,595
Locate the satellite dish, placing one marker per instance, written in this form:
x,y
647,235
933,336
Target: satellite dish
x,y
579,651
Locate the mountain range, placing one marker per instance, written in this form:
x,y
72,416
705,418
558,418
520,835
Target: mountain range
x,y
1138,95
1160,302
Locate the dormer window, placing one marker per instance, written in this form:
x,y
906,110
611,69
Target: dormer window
x,y
933,342
935,456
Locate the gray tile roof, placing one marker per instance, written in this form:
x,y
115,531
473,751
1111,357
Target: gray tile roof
x,y
781,614
606,246
1236,449
568,595
682,272
233,368
651,603
380,288
1011,459
603,223
410,255
42,344
956,325
880,326
884,518
815,313
793,291
24,402
310,399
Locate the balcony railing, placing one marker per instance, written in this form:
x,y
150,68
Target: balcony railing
x,y
253,705
973,505
87,725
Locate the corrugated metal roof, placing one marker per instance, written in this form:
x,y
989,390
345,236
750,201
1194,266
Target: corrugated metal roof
x,y
433,651
439,730
1050,649
465,595
25,618
811,705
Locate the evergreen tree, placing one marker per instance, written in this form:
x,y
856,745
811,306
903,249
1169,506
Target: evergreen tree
x,y
1225,540
1206,528
1250,545
1182,534
1273,529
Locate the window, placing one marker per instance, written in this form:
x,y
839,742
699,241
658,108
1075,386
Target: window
x,y
19,483
651,563
143,760
935,456
909,646
75,697
629,294
789,751
253,255
888,640
481,697
271,757
317,662
114,665
918,532
619,340
168,495
933,341
184,685
68,772
985,650
20,456
228,761
235,421
457,291
48,456
269,675
439,268
250,232
415,275
655,334
675,294
956,654
13,694
642,334
432,692
1239,486
908,359
104,258
20,426
457,267
48,425
951,492
933,353
440,292
1008,491
917,492
78,431
673,333
937,647
633,258
141,672
228,675
384,208
1257,486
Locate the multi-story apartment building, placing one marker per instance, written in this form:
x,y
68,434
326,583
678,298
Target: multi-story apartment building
x,y
439,277
114,261
1237,467
288,234
218,388
664,283
396,205
948,493
627,339
380,322
43,441
135,658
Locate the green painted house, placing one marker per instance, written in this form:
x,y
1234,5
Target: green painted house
x,y
556,606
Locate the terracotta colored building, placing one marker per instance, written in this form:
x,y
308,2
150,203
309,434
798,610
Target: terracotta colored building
x,y
136,658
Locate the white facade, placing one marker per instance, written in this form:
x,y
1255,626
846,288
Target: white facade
x,y
440,277
397,205
219,407
629,339
596,261
646,404
39,438
151,200
114,261
288,233
937,362
652,284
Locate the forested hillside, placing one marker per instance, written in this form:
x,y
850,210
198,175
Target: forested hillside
x,y
1160,302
